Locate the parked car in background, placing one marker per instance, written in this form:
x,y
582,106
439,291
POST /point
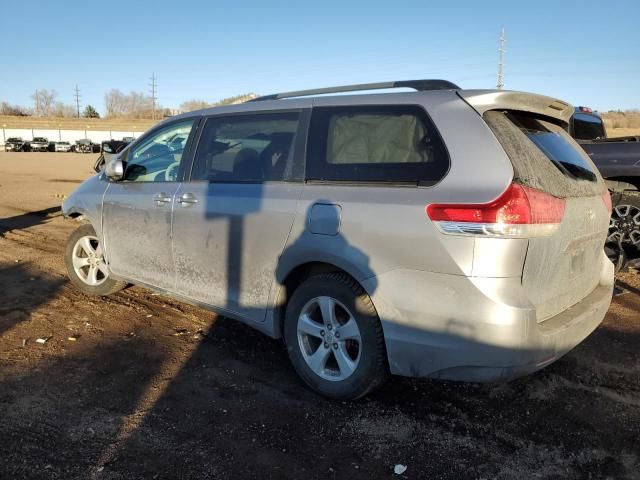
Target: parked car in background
x,y
109,150
618,160
446,233
15,144
86,146
39,144
62,147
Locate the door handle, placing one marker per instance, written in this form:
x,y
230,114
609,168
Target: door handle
x,y
187,199
161,198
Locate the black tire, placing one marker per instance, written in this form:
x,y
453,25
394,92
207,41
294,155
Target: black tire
x,y
372,369
624,219
108,286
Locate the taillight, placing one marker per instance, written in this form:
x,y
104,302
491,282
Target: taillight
x,y
519,212
606,198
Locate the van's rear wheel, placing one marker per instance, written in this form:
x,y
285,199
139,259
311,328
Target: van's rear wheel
x,y
86,265
334,337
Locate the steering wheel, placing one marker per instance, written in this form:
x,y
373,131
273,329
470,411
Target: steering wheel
x,y
171,173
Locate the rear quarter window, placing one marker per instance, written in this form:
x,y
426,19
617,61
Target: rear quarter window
x,y
556,145
371,144
543,155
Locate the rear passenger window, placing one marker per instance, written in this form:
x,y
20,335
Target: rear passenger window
x,y
397,144
248,148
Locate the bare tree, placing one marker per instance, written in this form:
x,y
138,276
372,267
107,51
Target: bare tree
x,y
115,103
59,109
195,104
133,105
14,110
236,99
44,101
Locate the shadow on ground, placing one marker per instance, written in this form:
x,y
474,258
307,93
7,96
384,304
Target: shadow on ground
x,y
24,289
26,220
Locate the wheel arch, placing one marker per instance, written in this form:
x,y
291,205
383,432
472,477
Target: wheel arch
x,y
294,277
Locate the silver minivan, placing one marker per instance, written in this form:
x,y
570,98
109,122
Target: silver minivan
x,y
444,233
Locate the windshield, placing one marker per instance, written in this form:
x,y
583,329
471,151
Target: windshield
x,y
587,127
39,139
556,145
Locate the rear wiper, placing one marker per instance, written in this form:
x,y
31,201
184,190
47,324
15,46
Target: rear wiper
x,y
579,172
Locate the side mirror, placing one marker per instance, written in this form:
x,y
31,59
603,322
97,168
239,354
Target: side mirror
x,y
114,170
99,165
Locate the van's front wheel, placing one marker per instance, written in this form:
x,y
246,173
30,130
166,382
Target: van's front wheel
x,y
86,265
334,337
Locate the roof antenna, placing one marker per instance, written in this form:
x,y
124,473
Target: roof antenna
x,y
501,51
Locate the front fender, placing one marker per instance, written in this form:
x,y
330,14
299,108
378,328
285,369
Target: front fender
x,y
86,200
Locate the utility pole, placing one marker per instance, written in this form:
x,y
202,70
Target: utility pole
x,y
153,86
37,103
76,94
501,51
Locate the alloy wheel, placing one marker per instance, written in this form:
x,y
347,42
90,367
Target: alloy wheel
x,y
329,338
88,261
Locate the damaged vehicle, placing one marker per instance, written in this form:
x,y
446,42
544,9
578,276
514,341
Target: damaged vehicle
x,y
618,160
85,145
39,144
62,147
442,233
16,144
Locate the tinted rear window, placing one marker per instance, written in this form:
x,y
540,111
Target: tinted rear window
x,y
556,145
587,127
396,144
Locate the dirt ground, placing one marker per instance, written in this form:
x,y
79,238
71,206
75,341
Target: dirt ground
x,y
154,388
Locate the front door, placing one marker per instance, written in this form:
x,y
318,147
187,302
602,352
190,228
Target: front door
x,y
232,220
137,210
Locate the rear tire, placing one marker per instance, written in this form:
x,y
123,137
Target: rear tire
x,y
334,337
86,266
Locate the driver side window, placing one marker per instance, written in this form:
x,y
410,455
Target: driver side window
x,y
158,157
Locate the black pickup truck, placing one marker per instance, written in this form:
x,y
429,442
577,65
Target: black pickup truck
x,y
618,159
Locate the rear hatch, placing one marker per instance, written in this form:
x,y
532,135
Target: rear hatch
x,y
565,266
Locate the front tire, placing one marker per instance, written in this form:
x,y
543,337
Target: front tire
x,y
86,265
334,337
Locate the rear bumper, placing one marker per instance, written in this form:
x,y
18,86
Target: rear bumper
x,y
477,329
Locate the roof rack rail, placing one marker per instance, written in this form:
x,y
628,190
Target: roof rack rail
x,y
419,85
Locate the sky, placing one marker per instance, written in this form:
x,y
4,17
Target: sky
x,y
584,52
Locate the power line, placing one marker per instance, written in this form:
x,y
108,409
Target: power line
x,y
501,51
76,94
153,86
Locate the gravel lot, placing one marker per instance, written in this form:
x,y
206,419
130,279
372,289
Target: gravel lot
x,y
154,388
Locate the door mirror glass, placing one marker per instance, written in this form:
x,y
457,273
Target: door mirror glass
x,y
114,170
